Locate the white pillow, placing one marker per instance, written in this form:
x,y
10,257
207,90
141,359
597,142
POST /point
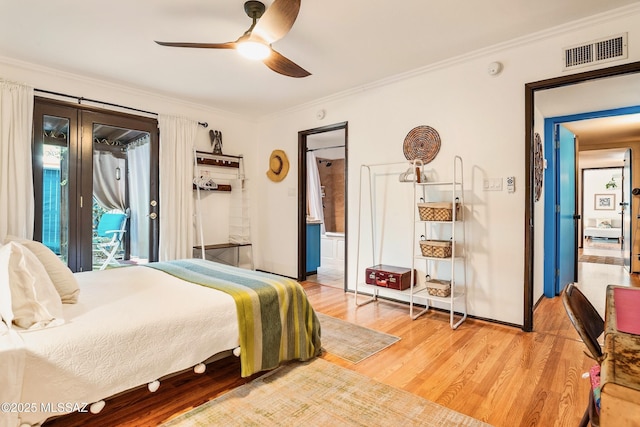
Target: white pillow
x,y
61,276
35,303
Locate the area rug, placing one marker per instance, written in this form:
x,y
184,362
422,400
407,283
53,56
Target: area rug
x,y
319,393
601,259
350,341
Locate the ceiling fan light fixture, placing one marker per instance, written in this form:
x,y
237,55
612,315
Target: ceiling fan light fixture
x,y
253,50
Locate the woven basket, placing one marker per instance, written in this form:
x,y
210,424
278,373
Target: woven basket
x,y
436,248
422,142
437,211
438,288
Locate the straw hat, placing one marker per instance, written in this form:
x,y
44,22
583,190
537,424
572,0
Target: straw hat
x,y
278,166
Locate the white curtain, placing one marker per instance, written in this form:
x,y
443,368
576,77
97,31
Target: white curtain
x,y
108,189
139,156
177,138
314,192
16,178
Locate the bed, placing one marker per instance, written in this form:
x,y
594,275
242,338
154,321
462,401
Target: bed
x,y
604,228
134,325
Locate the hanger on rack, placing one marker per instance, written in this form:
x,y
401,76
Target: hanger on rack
x,y
205,183
411,174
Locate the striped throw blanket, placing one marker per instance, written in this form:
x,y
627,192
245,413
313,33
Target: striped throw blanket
x,y
276,321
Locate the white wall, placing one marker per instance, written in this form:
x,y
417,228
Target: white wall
x,y
478,116
594,182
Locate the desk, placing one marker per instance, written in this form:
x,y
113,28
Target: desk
x,y
620,369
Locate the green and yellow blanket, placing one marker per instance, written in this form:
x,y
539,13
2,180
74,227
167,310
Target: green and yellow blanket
x,y
276,321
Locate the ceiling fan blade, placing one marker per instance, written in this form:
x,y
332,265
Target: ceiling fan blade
x,y
228,45
284,66
277,20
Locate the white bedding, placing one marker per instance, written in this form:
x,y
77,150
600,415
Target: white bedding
x,y
130,326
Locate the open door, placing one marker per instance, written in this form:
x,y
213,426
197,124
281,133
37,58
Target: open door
x,y
625,211
566,215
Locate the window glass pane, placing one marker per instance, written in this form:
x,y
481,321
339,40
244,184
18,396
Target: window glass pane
x,y
55,194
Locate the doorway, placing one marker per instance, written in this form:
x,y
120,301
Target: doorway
x,y
530,110
95,185
604,192
322,204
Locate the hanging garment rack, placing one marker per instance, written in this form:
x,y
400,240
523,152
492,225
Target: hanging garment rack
x,y
81,98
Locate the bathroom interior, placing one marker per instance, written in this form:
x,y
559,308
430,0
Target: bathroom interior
x,y
326,207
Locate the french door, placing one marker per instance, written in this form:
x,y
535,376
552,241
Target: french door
x,y
87,162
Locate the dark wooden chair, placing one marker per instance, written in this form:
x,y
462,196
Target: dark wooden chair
x,y
589,325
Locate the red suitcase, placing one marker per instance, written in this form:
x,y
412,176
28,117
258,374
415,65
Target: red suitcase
x,y
389,276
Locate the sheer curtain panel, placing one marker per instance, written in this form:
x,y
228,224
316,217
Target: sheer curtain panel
x,y
177,138
16,178
108,188
139,166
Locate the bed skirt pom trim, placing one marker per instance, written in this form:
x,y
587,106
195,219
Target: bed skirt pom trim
x,y
96,407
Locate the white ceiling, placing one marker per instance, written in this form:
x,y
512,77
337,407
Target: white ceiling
x,y
344,44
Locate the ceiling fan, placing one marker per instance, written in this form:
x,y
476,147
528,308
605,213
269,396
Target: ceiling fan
x,y
268,26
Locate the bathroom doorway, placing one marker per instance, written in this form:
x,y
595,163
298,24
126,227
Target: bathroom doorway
x,y
323,205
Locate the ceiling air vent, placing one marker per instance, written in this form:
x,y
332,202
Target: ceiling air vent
x,y
595,52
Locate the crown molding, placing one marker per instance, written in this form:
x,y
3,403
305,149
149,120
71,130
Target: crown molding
x,y
104,84
487,51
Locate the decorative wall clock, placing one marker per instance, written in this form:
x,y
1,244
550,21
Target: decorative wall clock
x,y
538,166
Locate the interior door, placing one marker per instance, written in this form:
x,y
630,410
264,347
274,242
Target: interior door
x,y
566,216
625,211
64,152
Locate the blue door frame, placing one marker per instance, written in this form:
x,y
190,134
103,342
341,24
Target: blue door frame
x,y
551,199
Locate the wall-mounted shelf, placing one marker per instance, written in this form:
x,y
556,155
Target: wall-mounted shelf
x,y
216,172
221,160
206,159
221,187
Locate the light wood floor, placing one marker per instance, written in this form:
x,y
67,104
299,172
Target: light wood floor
x,y
494,373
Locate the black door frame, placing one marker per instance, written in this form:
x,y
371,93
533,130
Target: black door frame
x,y
302,194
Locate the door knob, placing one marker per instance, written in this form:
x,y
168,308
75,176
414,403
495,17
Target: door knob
x,y
153,215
